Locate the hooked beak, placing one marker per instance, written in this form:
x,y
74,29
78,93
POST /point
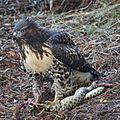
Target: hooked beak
x,y
17,34
14,33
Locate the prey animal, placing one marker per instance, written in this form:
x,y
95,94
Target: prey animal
x,y
54,55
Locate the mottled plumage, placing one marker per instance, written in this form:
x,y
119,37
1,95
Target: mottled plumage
x,y
54,55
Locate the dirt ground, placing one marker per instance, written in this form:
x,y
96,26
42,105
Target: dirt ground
x,y
96,31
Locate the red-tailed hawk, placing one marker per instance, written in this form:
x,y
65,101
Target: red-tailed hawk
x,y
54,56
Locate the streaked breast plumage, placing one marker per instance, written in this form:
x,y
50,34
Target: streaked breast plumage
x,y
34,62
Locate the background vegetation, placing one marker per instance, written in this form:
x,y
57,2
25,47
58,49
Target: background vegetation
x,y
95,27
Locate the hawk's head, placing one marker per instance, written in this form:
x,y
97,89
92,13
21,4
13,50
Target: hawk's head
x,y
29,31
24,27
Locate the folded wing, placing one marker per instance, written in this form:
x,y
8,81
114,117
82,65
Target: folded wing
x,y
64,49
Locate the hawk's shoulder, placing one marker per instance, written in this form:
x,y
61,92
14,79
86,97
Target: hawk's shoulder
x,y
61,38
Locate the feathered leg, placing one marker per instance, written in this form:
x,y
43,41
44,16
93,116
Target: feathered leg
x,y
36,87
36,92
58,94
